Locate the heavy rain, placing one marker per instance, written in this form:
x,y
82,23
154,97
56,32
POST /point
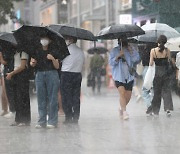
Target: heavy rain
x,y
89,76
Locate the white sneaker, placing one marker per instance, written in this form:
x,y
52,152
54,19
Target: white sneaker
x,y
168,113
50,126
125,115
38,126
10,115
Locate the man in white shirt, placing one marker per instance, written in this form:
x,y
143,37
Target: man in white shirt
x,y
71,81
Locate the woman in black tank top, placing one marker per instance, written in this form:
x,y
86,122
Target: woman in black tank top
x,y
160,56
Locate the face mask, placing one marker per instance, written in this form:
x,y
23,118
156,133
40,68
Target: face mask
x,y
44,42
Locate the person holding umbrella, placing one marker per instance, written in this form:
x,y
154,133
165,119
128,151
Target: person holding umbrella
x,y
161,83
122,59
9,46
45,47
20,89
4,99
47,83
96,66
71,79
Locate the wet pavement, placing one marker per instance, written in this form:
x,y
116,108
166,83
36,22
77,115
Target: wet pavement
x,y
100,130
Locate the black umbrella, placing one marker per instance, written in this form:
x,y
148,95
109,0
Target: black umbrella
x,y
118,31
28,38
8,43
79,33
7,38
100,50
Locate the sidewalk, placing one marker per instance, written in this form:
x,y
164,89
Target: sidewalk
x,y
100,130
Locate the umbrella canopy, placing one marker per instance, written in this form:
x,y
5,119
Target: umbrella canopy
x,y
79,33
154,30
8,43
118,31
28,38
99,50
7,38
173,44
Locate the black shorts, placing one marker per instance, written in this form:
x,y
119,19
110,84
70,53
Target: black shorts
x,y
127,86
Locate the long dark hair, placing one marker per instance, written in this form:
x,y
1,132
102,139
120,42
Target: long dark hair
x,y
162,40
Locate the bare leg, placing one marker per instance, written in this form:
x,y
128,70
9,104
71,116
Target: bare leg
x,y
128,96
60,103
123,102
4,99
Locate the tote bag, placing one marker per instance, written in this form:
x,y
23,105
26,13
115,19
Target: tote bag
x,y
149,77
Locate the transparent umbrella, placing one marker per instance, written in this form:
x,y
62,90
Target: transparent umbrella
x,y
173,44
154,30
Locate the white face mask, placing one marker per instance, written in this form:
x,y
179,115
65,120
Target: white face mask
x,y
44,42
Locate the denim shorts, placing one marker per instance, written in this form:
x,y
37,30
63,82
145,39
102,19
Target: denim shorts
x,y
128,86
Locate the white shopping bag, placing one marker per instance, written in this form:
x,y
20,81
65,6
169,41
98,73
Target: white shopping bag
x,y
178,65
140,69
149,77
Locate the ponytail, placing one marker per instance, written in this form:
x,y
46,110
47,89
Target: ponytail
x,y
162,40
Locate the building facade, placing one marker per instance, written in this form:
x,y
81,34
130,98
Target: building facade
x,y
161,11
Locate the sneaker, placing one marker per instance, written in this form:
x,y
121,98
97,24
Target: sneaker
x,y
10,115
23,124
168,113
149,111
39,126
14,124
50,126
155,115
4,113
125,115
